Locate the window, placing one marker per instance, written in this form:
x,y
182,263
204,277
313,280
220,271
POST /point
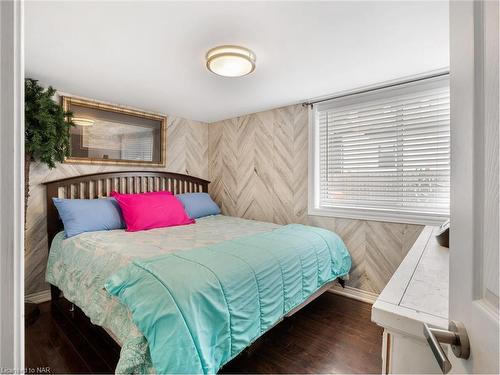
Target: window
x,y
383,154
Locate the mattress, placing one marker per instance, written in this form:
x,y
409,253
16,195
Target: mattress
x,y
80,265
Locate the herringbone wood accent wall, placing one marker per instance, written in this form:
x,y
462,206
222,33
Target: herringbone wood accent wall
x,y
187,152
258,168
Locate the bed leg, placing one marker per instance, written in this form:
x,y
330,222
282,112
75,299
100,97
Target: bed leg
x,y
342,282
55,293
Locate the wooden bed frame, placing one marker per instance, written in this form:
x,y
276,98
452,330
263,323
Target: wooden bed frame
x,y
98,185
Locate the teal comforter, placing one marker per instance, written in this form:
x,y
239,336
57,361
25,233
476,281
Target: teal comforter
x,y
199,308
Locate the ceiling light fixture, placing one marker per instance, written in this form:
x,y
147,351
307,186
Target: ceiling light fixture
x,y
82,121
230,61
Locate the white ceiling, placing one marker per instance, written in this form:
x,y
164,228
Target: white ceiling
x,y
150,55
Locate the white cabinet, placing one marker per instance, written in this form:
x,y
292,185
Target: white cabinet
x,y
416,293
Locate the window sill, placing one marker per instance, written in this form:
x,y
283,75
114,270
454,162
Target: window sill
x,y
380,215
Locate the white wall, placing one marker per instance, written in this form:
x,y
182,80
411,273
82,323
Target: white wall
x,y
11,187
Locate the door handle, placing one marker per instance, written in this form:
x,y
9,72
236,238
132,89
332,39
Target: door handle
x,y
456,336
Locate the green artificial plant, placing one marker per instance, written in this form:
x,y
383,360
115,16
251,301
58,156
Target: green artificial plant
x,y
47,129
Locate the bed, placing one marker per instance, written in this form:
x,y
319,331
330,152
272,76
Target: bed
x,y
200,292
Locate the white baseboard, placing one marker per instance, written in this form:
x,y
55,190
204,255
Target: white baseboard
x,y
354,293
38,297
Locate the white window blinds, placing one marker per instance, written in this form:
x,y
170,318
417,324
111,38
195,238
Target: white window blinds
x,y
138,146
387,152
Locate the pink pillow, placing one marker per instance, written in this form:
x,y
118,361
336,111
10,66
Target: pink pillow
x,y
151,210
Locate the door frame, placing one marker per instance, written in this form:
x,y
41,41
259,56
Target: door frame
x,y
12,186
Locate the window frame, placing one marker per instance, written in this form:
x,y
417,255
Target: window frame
x,y
364,213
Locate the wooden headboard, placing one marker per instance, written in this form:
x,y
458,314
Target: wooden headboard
x,y
98,185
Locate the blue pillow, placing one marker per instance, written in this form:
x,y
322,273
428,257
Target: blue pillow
x,y
89,215
198,205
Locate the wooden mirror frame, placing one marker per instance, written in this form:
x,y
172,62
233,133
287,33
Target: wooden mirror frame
x,y
66,104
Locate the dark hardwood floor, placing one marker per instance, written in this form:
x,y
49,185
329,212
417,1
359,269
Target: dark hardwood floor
x,y
333,334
